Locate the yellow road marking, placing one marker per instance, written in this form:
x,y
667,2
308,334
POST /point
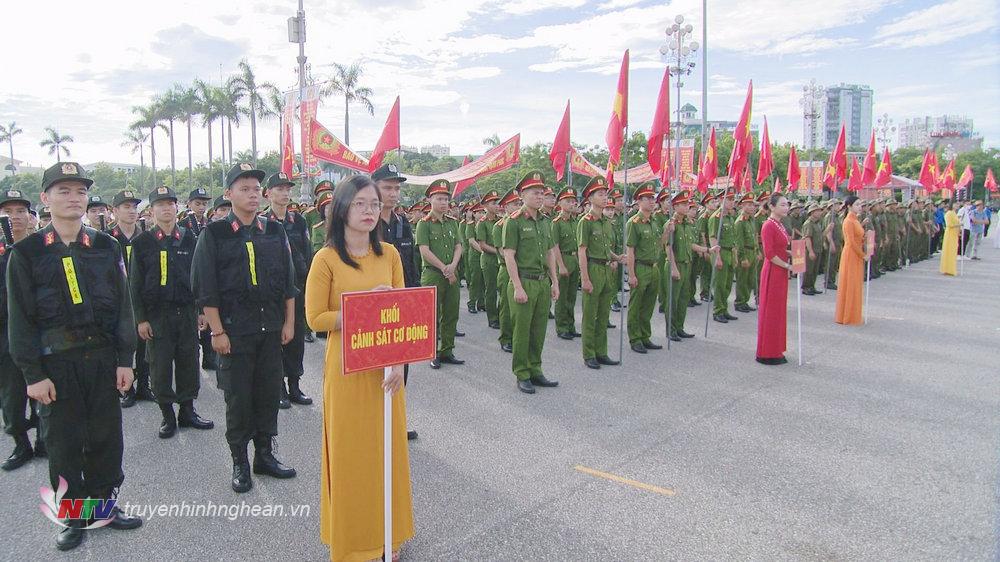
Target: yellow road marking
x,y
626,481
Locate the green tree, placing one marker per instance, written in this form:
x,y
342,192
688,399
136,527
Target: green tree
x,y
147,117
248,90
56,143
7,135
346,82
135,141
168,109
188,106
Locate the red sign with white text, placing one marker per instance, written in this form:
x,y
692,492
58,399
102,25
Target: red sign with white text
x,y
385,328
798,256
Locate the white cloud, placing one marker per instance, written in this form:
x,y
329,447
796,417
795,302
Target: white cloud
x,y
939,24
617,4
524,7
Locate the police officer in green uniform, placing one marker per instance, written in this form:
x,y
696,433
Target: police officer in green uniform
x,y
125,231
746,241
598,273
812,233
529,259
441,249
278,193
564,236
472,259
313,215
642,248
244,281
661,216
725,259
682,246
13,396
72,334
318,236
510,202
489,258
160,285
706,269
834,228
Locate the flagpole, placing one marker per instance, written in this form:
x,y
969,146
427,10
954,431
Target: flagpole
x,y
798,312
868,282
387,467
621,274
718,235
670,287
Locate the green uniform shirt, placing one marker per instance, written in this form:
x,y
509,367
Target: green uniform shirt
x,y
484,232
564,234
813,230
529,238
641,235
469,233
660,220
597,235
701,228
441,236
745,235
685,234
727,240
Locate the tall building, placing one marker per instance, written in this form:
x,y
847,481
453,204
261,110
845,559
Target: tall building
x,y
850,105
690,124
939,132
436,150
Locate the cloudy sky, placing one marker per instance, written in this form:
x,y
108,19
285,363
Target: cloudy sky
x,y
466,69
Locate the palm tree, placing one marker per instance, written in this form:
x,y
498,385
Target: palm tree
x,y
148,118
274,106
251,92
188,105
168,109
492,140
56,143
7,134
231,112
211,108
135,141
346,82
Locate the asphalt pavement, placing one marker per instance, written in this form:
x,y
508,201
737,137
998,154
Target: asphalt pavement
x,y
883,445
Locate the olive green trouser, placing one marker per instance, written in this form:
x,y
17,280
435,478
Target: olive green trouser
x,y
681,291
722,283
448,296
744,280
812,271
642,299
706,272
529,320
490,269
831,272
566,305
474,278
597,310
506,328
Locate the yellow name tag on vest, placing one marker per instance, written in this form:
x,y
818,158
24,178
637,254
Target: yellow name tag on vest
x,y
163,268
253,264
128,253
74,286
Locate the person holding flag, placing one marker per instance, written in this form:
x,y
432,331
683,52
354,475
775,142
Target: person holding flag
x,y
598,266
642,243
489,257
747,247
564,236
722,233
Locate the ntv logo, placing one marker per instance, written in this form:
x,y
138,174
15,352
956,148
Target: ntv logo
x,y
58,509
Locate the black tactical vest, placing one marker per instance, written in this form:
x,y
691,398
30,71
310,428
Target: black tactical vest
x,y
174,287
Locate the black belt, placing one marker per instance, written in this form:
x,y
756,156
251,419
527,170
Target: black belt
x,y
573,253
533,277
597,261
649,263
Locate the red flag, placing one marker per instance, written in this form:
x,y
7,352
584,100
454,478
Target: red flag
x,y
615,135
660,130
928,176
836,167
777,185
991,182
966,178
884,174
856,181
709,165
389,139
462,185
870,167
794,173
742,144
948,177
561,146
747,183
287,150
766,164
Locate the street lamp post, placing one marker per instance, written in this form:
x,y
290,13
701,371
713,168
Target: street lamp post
x,y
679,47
812,96
297,34
885,129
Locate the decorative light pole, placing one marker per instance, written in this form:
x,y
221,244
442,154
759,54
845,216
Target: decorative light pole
x,y
885,129
811,102
678,49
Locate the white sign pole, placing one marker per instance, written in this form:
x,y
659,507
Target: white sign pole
x,y
798,310
387,466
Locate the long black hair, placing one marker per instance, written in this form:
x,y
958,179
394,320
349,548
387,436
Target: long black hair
x,y
340,206
848,202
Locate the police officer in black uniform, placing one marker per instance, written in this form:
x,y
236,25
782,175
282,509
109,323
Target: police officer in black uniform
x,y
160,284
278,193
73,336
396,230
244,280
195,220
125,231
13,396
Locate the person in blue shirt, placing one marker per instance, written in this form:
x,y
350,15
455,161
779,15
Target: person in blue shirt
x,y
939,221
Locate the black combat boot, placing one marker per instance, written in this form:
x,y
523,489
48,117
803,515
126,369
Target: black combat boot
x,y
295,393
22,452
241,469
264,461
187,417
169,424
